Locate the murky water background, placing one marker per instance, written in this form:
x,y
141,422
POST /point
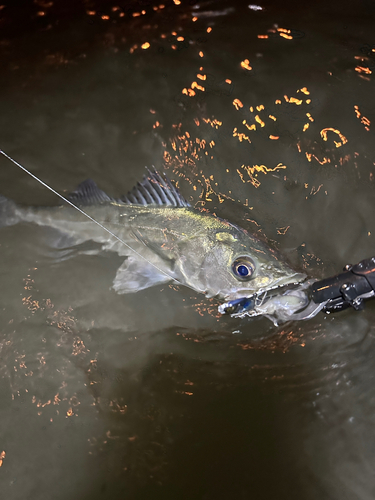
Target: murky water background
x,y
263,117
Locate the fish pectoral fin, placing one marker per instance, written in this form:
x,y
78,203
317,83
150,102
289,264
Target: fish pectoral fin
x,y
137,274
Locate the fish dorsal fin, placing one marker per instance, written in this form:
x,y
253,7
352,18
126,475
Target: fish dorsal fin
x,y
88,193
155,189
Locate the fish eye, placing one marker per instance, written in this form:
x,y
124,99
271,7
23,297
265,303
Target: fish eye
x,y
243,268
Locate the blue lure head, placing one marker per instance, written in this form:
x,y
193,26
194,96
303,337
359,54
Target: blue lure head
x,y
237,306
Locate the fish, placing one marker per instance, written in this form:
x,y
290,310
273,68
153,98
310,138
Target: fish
x,y
164,240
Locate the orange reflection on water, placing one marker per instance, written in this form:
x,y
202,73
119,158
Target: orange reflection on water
x,y
304,90
364,120
257,119
250,127
284,35
324,131
241,136
237,104
281,341
282,32
245,64
362,69
189,92
195,85
253,171
30,303
309,156
295,101
116,407
214,123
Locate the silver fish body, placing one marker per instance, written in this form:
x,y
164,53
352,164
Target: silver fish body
x,y
171,241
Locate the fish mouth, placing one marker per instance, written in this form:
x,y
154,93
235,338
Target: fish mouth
x,y
240,304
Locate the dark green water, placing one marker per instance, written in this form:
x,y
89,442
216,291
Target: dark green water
x,y
153,395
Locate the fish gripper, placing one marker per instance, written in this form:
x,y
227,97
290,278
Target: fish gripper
x,y
347,289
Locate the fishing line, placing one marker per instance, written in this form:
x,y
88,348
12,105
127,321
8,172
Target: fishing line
x,y
86,215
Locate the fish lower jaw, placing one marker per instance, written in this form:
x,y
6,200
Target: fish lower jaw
x,y
277,302
279,286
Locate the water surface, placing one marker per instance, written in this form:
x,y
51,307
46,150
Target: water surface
x,y
263,117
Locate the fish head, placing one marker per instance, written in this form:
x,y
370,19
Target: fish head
x,y
236,264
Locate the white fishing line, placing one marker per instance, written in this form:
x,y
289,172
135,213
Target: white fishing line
x,y
86,215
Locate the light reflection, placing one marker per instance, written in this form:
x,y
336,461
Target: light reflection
x,y
195,85
245,64
284,35
364,120
362,69
261,123
187,150
237,104
323,134
282,230
241,136
253,171
323,161
282,340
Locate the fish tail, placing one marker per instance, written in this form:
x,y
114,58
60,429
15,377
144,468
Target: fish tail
x,y
8,212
